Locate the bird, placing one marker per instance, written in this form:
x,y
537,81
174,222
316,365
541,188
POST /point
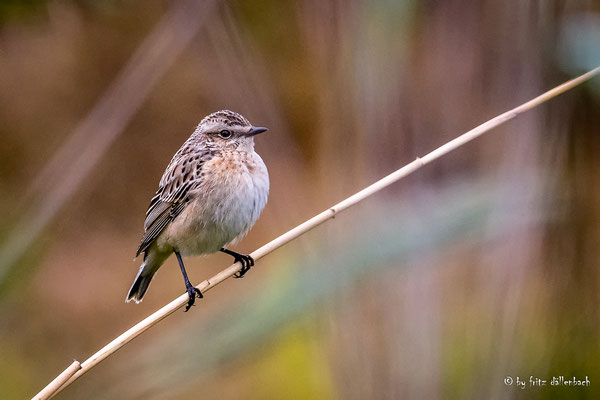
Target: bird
x,y
210,195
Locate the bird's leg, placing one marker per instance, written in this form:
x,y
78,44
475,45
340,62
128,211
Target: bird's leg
x,y
191,290
245,259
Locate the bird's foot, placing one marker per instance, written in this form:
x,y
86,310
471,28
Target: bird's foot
x,y
247,263
192,293
245,259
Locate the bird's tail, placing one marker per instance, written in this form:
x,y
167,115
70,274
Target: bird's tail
x,y
141,283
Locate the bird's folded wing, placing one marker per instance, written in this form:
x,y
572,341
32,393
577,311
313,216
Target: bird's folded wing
x,y
183,174
162,219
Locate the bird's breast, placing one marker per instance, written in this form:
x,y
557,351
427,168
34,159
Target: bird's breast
x,y
236,188
228,202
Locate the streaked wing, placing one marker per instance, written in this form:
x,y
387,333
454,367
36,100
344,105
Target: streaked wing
x,y
183,174
159,224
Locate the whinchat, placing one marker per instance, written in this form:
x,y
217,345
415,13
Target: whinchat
x,y
210,195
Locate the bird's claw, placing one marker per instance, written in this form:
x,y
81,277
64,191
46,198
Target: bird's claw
x,y
247,262
192,293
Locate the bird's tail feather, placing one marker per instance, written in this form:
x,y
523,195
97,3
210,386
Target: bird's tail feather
x,y
141,283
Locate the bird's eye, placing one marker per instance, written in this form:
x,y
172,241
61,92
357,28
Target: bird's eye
x,y
225,134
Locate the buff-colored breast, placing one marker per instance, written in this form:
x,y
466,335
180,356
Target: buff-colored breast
x,y
223,208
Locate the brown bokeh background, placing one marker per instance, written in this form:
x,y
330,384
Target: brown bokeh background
x,y
480,266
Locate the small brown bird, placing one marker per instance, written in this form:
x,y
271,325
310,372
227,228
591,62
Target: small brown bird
x,y
210,195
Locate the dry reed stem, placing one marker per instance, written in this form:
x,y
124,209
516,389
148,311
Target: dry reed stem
x,y
208,284
53,386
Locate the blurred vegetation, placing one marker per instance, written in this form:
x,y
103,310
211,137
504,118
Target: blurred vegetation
x,y
481,266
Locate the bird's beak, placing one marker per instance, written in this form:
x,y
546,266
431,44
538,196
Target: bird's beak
x,y
255,130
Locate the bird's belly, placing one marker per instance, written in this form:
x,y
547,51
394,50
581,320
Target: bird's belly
x,y
191,233
219,214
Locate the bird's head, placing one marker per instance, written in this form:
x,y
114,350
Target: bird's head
x,y
228,130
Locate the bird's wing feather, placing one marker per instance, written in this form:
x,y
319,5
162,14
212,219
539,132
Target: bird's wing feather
x,y
159,224
184,173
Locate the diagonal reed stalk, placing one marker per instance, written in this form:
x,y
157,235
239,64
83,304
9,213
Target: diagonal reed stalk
x,y
75,371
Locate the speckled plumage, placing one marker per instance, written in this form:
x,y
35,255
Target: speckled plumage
x,y
210,195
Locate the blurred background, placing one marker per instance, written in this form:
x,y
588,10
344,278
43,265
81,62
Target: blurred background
x,y
480,266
